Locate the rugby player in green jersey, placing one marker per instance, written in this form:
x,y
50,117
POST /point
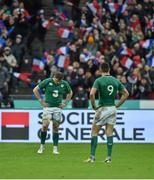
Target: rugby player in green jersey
x,y
105,113
55,88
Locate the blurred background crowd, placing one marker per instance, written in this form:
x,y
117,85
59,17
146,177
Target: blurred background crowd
x,y
87,33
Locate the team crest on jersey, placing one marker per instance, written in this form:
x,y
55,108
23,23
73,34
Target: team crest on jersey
x,y
50,84
62,85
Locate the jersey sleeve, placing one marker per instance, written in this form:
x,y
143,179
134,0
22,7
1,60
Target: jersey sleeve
x,y
96,84
43,84
67,87
121,87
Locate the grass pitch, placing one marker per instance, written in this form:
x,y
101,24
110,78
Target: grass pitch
x,y
129,161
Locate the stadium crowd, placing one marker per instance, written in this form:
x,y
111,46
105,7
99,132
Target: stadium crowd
x,y
120,32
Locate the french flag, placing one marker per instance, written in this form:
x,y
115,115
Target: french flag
x,y
126,62
23,76
64,33
122,8
94,6
62,61
150,61
47,23
113,7
38,65
147,44
63,50
125,51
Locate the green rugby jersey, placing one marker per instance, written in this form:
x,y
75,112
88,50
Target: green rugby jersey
x,y
107,88
54,92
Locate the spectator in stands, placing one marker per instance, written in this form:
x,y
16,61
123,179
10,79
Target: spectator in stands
x,y
11,61
80,99
18,50
37,35
98,33
4,80
33,6
74,11
144,89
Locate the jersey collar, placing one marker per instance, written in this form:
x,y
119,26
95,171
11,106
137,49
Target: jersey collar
x,y
55,83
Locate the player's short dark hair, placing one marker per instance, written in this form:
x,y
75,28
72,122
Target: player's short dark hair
x,y
58,75
105,67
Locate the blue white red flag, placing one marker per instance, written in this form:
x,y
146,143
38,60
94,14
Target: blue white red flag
x,y
38,65
126,62
62,61
147,44
63,50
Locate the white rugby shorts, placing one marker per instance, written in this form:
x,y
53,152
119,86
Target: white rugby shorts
x,y
52,114
105,115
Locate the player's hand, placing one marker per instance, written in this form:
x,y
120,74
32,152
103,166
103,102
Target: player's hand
x,y
43,103
117,106
95,108
62,105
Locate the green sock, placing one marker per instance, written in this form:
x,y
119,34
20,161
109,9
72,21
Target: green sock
x,y
93,145
55,138
109,145
43,136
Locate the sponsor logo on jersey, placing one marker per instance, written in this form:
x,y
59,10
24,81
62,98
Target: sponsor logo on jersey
x,y
50,84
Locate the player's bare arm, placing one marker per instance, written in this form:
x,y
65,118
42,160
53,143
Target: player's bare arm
x,y
123,98
37,95
92,98
68,98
